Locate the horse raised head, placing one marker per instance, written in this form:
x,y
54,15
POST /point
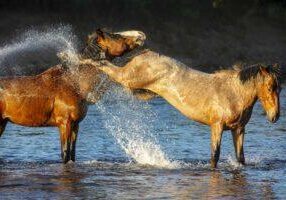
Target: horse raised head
x,y
102,44
268,87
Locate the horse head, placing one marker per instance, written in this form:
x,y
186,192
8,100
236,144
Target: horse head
x,y
268,87
102,44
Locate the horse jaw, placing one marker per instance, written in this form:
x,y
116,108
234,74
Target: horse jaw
x,y
139,36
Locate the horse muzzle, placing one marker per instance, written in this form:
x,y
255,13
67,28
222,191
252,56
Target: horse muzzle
x,y
273,117
141,38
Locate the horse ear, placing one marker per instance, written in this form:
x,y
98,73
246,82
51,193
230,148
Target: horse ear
x,y
276,67
99,32
263,70
89,37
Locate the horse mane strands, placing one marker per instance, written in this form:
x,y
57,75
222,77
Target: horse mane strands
x,y
249,73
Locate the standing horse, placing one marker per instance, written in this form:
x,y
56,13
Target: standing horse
x,y
58,96
223,100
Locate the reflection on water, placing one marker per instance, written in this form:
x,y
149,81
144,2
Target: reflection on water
x,y
129,181
30,160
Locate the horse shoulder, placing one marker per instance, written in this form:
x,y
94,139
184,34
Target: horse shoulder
x,y
230,101
69,103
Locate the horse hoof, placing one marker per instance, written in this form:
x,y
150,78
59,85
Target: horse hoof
x,y
213,164
70,162
65,158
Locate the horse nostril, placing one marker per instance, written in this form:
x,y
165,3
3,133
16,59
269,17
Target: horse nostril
x,y
140,42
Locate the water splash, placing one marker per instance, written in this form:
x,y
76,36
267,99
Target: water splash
x,y
130,122
37,48
232,162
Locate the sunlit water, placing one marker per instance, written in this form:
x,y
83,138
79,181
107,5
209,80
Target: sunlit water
x,y
128,149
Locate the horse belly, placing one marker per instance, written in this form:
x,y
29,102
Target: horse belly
x,y
28,111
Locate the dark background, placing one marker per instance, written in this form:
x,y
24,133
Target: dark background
x,y
203,34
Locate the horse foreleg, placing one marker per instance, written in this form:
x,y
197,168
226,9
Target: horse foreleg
x,y
144,95
115,73
73,140
65,135
238,138
108,68
216,134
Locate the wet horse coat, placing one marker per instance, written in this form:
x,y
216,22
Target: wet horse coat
x,y
222,100
59,96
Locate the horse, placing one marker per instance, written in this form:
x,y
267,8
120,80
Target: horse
x,y
222,100
58,97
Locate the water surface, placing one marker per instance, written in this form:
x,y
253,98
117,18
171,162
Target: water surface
x,y
135,150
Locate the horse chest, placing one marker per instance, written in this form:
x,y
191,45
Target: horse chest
x,y
240,119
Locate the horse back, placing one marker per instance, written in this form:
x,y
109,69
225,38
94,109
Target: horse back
x,y
30,100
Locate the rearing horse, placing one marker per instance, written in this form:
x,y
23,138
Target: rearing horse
x,y
59,96
223,100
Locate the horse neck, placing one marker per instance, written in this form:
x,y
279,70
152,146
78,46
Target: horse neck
x,y
247,91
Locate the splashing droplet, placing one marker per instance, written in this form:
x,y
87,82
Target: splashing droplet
x,y
37,49
130,123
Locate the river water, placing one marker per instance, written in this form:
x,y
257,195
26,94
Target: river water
x,y
143,151
128,149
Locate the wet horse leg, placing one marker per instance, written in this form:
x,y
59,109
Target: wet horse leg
x,y
238,138
3,124
65,135
126,76
119,74
216,134
73,140
116,73
144,95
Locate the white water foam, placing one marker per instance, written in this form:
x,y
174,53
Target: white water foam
x,y
37,45
254,160
130,122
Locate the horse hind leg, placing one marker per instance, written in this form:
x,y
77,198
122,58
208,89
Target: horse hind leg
x,y
238,139
3,124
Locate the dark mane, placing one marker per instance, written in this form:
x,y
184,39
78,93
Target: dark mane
x,y
92,51
253,71
275,71
249,73
112,35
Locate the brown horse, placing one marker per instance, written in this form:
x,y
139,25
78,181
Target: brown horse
x,y
222,100
58,96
